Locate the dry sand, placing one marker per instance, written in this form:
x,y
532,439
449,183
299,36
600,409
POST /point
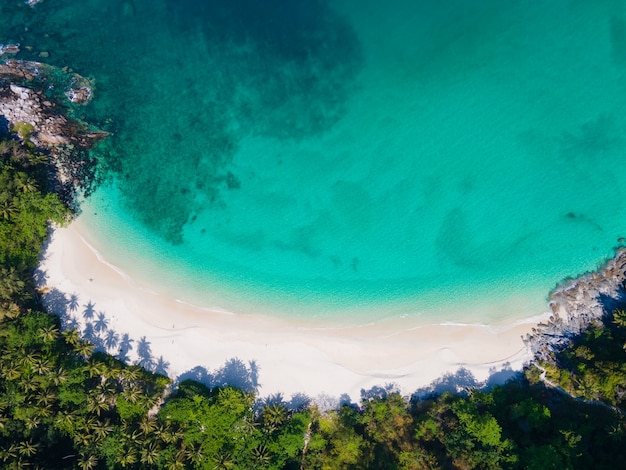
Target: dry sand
x,y
275,355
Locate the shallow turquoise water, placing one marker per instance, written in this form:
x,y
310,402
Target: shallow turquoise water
x,y
314,156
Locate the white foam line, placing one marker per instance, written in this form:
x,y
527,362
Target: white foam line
x,y
292,355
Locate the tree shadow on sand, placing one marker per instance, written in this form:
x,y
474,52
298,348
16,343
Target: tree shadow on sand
x,y
96,327
298,402
233,373
463,381
40,277
379,392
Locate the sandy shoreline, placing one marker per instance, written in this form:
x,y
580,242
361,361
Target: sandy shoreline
x,y
275,355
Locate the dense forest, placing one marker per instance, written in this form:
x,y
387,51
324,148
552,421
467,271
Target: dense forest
x,y
62,405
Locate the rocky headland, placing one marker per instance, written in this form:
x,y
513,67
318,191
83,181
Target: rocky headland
x,y
578,303
35,105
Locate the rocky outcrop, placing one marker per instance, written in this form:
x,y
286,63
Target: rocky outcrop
x,y
578,303
42,120
9,49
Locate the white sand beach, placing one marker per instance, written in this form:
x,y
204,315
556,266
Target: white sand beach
x,y
287,356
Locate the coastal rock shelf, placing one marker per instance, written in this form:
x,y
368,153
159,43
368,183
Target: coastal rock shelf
x,y
578,303
42,120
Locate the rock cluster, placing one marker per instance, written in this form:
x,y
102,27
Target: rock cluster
x,y
19,71
25,106
578,303
80,95
6,49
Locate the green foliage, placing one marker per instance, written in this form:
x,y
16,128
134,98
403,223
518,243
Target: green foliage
x,y
543,457
464,433
24,130
26,207
593,367
388,424
217,423
335,442
189,389
130,411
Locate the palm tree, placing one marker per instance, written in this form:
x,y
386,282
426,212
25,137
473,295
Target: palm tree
x,y
27,448
71,337
114,372
135,438
132,393
274,416
45,411
65,418
163,432
176,464
31,422
10,453
27,384
26,184
11,283
87,463
261,455
147,424
4,419
588,389
11,371
46,397
105,390
150,401
58,376
149,455
619,318
195,456
95,369
247,425
11,311
8,209
178,434
102,429
97,405
178,460
83,348
49,333
41,367
31,359
83,436
127,458
131,373
223,461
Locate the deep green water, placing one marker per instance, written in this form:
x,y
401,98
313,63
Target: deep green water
x,y
315,156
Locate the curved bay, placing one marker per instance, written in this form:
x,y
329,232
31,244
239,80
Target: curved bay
x,y
344,150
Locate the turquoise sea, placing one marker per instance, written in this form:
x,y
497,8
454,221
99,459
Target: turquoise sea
x,y
348,157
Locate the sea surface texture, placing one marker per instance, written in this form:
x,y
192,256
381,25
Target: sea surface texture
x,y
329,157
